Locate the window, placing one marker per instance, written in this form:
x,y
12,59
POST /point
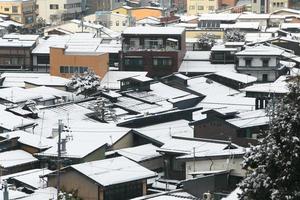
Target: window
x,y
134,61
211,8
54,6
200,8
248,62
6,9
265,77
124,23
162,61
192,7
29,19
64,69
14,9
265,62
117,23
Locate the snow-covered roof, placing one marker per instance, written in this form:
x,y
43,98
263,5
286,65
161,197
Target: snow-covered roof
x,y
52,93
45,193
167,92
113,171
71,114
237,102
85,138
243,78
186,18
220,16
49,81
190,66
290,25
250,119
142,30
13,194
111,78
139,153
17,95
242,25
256,16
202,148
260,50
13,122
29,177
163,132
209,87
18,79
15,157
43,47
16,42
33,140
197,55
278,87
257,37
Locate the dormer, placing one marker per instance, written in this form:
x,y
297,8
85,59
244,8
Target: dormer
x,y
138,83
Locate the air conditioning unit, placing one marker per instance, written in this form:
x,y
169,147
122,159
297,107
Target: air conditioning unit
x,y
207,196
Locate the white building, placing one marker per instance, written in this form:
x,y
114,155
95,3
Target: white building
x,y
262,62
58,10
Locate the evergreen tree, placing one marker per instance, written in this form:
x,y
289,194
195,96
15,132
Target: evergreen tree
x,y
85,84
274,165
206,41
235,36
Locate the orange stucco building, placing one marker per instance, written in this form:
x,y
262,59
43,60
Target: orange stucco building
x,y
140,12
66,63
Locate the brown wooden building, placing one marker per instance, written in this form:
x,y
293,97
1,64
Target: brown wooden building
x,y
157,50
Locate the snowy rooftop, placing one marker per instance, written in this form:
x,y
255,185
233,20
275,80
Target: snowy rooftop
x,y
18,79
17,95
189,66
29,177
142,30
250,119
139,153
15,157
33,140
261,50
51,92
197,55
208,87
290,25
256,16
234,195
243,78
221,17
242,25
13,194
163,132
111,78
12,122
113,171
279,86
88,137
45,193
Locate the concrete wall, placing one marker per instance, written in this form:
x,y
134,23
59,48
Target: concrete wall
x,y
125,142
97,63
195,7
72,181
257,61
216,164
45,12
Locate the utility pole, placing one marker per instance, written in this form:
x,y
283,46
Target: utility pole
x,y
5,192
60,129
194,158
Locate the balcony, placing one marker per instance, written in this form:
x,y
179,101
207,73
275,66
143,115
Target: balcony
x,y
127,47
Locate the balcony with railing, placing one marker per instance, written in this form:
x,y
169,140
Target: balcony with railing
x,y
151,45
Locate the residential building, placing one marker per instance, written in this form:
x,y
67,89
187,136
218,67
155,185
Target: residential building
x,y
268,6
114,178
54,11
21,11
195,7
294,4
262,62
277,5
67,61
103,5
114,21
16,51
140,12
158,50
227,124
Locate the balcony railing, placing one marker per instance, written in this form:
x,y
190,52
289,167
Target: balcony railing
x,y
127,47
